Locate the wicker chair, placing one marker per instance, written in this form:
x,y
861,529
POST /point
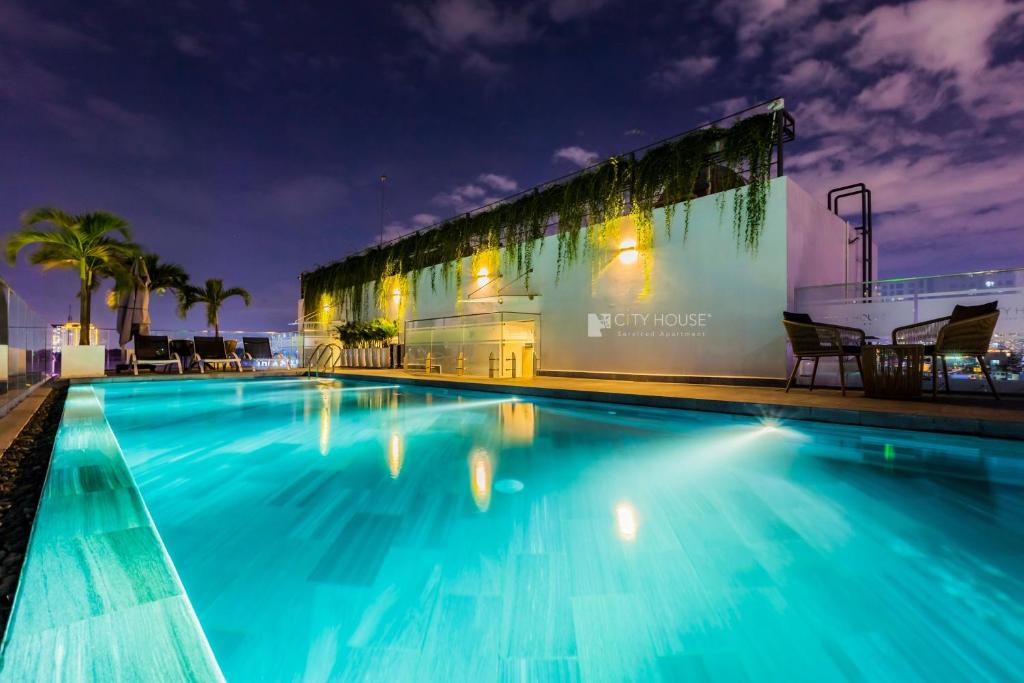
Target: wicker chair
x,y
967,331
821,340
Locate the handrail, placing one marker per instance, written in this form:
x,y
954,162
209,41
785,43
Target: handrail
x,y
322,352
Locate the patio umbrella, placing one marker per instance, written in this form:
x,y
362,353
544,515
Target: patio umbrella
x,y
133,307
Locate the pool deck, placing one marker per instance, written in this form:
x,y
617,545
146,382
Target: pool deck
x,y
958,414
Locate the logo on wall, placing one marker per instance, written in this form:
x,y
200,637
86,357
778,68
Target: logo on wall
x,y
647,324
597,323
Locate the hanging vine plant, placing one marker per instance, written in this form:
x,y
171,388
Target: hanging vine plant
x,y
706,161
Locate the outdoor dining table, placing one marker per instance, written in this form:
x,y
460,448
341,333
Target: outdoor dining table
x,y
892,370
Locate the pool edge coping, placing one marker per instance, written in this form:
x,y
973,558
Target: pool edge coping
x,y
994,429
197,661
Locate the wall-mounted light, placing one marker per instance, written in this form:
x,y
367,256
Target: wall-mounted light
x,y
482,276
628,254
396,295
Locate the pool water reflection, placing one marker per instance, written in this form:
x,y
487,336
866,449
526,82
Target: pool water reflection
x,y
332,530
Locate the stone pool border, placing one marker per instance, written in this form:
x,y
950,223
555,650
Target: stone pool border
x,y
99,598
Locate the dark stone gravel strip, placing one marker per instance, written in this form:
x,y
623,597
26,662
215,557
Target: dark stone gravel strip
x,y
23,469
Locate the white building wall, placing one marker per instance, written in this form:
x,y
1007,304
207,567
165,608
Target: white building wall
x,y
714,309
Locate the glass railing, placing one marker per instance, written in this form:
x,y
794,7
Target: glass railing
x,y
503,344
880,306
24,346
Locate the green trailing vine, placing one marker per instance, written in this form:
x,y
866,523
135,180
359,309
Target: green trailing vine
x,y
707,161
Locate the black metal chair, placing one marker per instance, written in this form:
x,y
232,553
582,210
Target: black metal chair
x,y
153,351
967,331
212,351
821,340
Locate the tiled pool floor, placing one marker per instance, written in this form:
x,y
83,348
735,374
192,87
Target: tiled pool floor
x,y
350,532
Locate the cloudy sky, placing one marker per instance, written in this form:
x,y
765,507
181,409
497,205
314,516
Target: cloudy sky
x,y
246,140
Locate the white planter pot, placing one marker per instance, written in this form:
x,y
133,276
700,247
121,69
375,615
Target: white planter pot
x,y
360,358
82,361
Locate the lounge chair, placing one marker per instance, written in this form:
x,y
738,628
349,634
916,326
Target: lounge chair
x,y
967,331
212,351
821,340
257,350
153,351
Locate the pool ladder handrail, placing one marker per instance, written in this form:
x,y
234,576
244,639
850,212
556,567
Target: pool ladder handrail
x,y
323,352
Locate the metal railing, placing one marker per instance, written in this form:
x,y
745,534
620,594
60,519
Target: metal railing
x,y
324,357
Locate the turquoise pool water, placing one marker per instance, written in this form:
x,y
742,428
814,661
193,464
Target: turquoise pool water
x,y
329,530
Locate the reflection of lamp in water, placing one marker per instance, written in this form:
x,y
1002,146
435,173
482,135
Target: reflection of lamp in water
x,y
625,521
517,421
481,476
325,420
628,254
395,455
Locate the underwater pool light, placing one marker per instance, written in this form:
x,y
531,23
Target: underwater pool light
x,y
626,521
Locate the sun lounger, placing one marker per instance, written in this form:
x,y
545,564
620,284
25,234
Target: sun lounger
x,y
212,351
153,351
257,350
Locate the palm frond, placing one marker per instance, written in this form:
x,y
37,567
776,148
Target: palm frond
x,y
238,291
49,214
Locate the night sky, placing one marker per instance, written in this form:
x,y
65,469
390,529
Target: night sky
x,y
245,140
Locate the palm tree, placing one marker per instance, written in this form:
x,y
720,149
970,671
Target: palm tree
x,y
163,276
213,295
83,242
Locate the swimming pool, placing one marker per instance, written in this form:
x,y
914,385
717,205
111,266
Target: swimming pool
x,y
328,530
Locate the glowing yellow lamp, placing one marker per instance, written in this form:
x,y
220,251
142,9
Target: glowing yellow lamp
x,y
628,254
481,276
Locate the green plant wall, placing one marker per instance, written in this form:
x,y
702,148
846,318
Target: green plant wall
x,y
581,209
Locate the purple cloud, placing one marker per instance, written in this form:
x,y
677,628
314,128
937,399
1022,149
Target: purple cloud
x,y
577,155
190,45
501,183
681,71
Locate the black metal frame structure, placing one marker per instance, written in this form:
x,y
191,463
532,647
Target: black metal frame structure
x,y
864,229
